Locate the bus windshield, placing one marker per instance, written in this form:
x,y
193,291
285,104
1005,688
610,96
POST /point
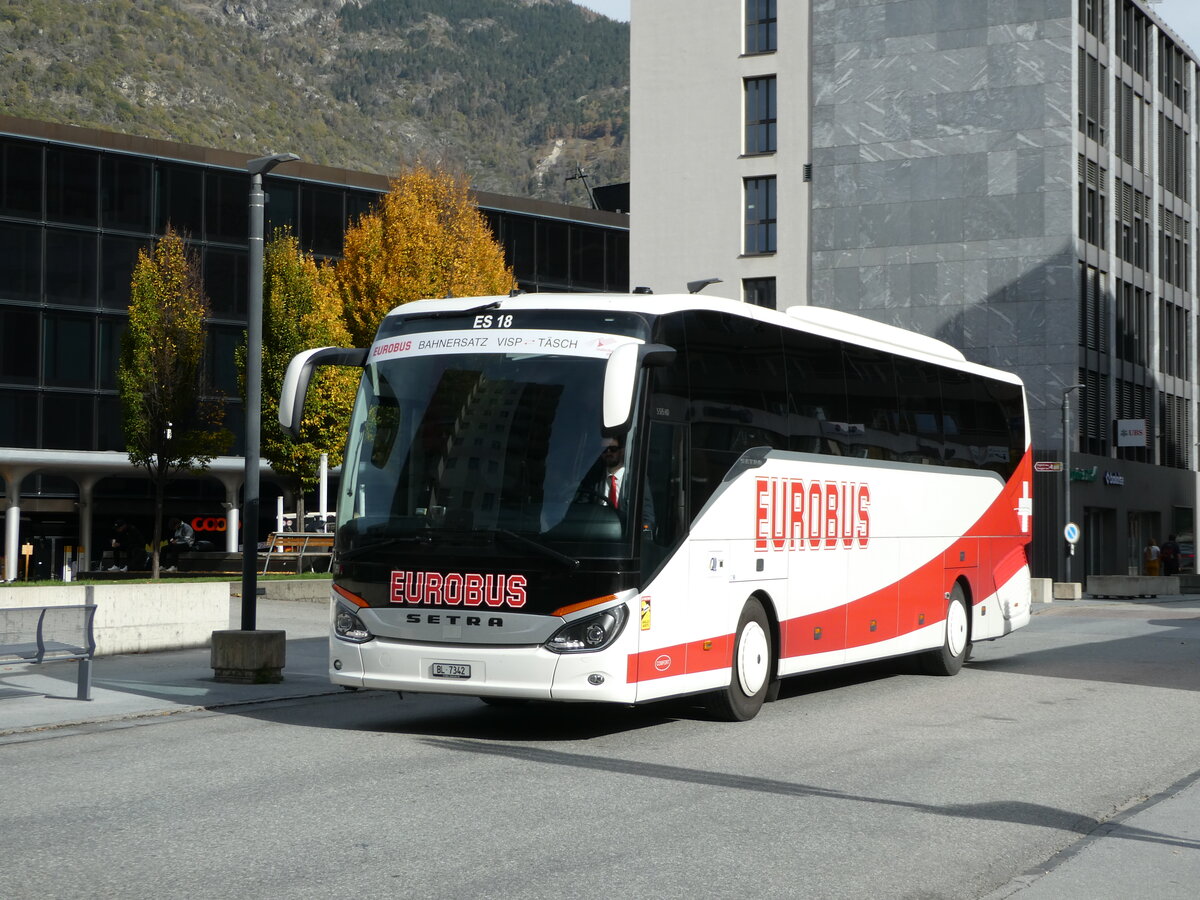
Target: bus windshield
x,y
491,441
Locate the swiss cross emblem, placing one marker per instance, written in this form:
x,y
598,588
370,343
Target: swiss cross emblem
x,y
1024,507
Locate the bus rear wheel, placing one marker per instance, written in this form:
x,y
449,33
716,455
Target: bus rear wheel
x,y
753,668
949,658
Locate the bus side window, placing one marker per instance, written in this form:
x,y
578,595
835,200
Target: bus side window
x,y
817,418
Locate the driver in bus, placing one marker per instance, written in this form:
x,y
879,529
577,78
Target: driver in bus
x,y
604,484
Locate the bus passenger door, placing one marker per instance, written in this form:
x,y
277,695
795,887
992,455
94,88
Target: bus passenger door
x,y
664,508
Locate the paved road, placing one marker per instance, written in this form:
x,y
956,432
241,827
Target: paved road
x,y
1061,748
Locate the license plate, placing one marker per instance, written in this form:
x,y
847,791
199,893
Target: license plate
x,y
451,670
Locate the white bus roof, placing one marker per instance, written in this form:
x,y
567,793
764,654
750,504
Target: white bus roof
x,y
819,320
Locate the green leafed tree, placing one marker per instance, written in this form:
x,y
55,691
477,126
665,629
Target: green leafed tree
x,y
171,426
302,309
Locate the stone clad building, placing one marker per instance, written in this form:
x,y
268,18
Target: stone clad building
x,y
1014,177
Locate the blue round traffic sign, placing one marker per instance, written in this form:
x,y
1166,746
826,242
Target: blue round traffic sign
x,y
1071,533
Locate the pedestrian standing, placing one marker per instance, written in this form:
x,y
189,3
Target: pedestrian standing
x,y
1168,555
1150,557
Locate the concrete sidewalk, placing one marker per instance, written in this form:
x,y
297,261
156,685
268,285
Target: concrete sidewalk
x,y
37,700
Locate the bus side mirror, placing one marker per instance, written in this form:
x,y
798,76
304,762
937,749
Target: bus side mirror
x,y
299,373
620,379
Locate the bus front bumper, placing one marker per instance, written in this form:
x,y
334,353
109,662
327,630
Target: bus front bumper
x,y
524,672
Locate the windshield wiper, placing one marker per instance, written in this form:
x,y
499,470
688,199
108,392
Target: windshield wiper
x,y
371,546
540,547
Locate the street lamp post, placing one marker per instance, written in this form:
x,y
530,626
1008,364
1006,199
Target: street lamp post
x,y
1066,426
250,492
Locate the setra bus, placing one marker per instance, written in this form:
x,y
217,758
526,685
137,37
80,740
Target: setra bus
x,y
623,498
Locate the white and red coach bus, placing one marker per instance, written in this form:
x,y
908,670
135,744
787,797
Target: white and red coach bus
x,y
799,491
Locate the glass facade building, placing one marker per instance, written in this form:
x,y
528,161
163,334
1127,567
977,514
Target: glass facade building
x,y
76,206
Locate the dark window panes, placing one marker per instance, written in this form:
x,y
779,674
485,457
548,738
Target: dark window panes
x,y
871,404
72,187
587,267
67,421
18,418
225,282
125,193
919,392
20,179
68,352
111,332
818,420
18,346
759,291
110,427
760,26
118,257
20,262
323,220
553,252
71,267
226,207
180,199
282,205
760,115
221,344
982,422
616,254
738,396
760,216
359,203
517,237
235,421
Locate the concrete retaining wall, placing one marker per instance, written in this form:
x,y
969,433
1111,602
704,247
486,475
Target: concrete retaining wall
x,y
138,618
1132,585
312,590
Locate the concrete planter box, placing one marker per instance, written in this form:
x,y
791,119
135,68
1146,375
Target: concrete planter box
x,y
1132,585
138,618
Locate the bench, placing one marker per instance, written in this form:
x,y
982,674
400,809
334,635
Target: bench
x,y
36,634
283,545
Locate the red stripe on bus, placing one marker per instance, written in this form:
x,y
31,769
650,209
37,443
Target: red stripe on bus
x,y
989,546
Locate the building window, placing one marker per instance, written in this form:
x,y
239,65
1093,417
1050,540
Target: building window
x,y
759,292
1091,16
760,26
1093,309
760,215
1093,97
1133,325
760,115
1093,203
1173,339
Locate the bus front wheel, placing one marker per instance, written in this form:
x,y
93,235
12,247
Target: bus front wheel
x,y
752,668
949,658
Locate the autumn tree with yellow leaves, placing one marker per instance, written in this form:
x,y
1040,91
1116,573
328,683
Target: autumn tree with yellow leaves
x,y
171,424
302,309
426,238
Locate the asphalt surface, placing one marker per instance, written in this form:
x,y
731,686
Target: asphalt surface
x,y
1151,849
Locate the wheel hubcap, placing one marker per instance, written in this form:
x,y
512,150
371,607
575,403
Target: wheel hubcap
x,y
956,628
754,656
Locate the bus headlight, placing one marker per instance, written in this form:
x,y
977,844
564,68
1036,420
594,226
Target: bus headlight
x,y
590,633
349,627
